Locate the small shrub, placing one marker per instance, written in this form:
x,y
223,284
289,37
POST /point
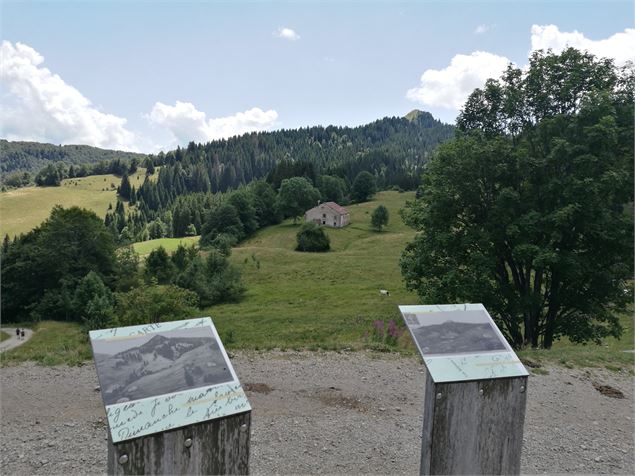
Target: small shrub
x,y
312,238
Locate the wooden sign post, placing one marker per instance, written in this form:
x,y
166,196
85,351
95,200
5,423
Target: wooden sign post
x,y
215,447
475,391
173,401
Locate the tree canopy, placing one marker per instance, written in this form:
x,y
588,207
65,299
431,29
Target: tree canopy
x,y
41,269
296,196
364,187
525,210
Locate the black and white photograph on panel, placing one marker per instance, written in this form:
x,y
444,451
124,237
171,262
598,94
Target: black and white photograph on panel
x,y
132,368
454,332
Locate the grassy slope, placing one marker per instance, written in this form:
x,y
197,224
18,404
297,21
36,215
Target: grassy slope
x,y
610,353
23,209
52,343
170,244
326,300
4,336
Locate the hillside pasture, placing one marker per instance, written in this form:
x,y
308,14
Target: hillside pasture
x,y
23,209
320,300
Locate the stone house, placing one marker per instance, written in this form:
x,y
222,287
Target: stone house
x,y
328,214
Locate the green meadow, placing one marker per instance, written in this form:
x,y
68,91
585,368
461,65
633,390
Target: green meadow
x,y
325,301
319,300
144,248
23,209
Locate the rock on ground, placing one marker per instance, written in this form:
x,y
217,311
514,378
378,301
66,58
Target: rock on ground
x,y
322,412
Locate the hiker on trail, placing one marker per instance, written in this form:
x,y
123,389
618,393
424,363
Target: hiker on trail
x,y
22,334
17,333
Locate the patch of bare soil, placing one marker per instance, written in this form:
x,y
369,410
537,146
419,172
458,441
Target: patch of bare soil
x,y
608,390
257,387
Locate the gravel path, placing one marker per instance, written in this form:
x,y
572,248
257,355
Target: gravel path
x,y
14,341
352,413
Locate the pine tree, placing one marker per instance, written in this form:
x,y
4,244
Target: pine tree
x,y
124,188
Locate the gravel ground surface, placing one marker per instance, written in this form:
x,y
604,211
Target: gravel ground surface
x,y
350,413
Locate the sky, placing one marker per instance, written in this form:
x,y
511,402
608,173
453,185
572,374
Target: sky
x,y
148,76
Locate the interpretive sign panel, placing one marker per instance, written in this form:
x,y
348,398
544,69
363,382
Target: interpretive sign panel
x,y
167,375
461,342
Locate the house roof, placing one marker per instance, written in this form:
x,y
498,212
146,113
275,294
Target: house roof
x,y
336,207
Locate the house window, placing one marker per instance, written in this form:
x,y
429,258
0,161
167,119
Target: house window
x,y
323,215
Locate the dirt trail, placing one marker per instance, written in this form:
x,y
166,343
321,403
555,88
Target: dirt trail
x,y
14,341
323,413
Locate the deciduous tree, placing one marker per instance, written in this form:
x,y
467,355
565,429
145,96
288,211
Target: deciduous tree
x,y
525,210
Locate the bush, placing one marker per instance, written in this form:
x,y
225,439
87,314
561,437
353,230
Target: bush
x,y
312,238
148,304
214,280
93,302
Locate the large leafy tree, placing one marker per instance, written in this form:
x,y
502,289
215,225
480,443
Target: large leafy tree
x,y
264,198
332,188
296,196
42,268
527,209
364,187
221,219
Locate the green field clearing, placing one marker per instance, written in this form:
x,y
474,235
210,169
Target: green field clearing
x,y
4,336
319,300
23,209
170,244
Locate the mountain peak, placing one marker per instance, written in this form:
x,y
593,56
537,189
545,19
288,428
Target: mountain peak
x,y
417,114
422,118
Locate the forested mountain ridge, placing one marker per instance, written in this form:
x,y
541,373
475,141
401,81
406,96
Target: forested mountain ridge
x,y
240,159
20,156
394,149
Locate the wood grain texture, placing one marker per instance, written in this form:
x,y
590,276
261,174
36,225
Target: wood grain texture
x,y
429,397
219,446
473,433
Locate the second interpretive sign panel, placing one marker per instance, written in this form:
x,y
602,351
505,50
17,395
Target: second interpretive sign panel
x,y
460,342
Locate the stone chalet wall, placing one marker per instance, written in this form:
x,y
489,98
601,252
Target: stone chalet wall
x,y
324,215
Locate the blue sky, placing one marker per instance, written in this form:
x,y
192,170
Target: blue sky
x,y
150,75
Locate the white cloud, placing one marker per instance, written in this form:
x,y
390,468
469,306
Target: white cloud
x,y
38,105
286,34
186,123
620,46
481,29
450,87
